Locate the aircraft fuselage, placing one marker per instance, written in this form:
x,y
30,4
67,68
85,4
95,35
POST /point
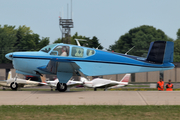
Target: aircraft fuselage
x,y
97,63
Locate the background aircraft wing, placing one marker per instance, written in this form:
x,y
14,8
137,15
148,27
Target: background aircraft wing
x,y
4,83
52,83
74,83
24,83
106,85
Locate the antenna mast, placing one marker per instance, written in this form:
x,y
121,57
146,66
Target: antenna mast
x,y
129,50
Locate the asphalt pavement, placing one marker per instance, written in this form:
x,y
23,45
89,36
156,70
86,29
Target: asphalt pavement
x,y
90,98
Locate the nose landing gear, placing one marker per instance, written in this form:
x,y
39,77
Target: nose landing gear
x,y
14,86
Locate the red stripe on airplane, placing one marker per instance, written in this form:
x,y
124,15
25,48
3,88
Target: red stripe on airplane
x,y
126,79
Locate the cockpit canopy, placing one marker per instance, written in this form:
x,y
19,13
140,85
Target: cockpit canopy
x,y
48,48
65,50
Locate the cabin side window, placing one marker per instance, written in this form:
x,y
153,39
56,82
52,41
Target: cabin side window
x,y
77,52
60,51
90,52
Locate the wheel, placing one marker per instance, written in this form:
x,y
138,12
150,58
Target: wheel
x,y
61,87
95,89
14,86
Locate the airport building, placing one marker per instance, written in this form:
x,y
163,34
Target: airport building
x,y
135,77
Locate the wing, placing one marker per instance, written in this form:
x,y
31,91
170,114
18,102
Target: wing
x,y
62,68
51,83
25,83
4,83
32,83
106,84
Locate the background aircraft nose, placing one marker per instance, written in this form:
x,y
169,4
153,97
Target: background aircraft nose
x,y
9,56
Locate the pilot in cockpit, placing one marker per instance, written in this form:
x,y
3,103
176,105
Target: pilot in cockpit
x,y
64,51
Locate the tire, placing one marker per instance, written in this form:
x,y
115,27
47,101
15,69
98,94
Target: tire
x,y
61,87
95,89
14,86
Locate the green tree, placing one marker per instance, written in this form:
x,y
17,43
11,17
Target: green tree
x,y
29,41
140,37
178,34
92,43
43,42
58,40
20,39
177,50
21,34
7,40
177,47
76,36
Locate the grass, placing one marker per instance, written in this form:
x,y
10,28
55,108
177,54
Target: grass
x,y
88,112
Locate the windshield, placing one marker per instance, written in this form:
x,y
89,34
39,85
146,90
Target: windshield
x,y
48,48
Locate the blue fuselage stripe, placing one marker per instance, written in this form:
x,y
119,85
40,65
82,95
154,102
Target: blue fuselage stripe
x,y
75,60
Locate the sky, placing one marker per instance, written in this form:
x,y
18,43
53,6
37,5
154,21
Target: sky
x,y
105,19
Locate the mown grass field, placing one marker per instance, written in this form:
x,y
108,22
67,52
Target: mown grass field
x,y
89,112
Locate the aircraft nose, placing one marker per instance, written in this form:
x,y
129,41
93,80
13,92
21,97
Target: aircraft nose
x,y
9,56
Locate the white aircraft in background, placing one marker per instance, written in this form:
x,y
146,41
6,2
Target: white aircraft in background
x,y
10,82
105,83
70,83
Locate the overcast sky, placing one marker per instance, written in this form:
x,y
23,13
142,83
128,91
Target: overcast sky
x,y
105,19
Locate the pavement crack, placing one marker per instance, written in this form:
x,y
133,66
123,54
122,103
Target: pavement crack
x,y
28,97
142,97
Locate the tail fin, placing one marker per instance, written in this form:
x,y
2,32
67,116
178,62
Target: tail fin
x,y
161,52
9,75
126,78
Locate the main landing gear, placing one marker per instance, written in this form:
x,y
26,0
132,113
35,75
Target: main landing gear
x,y
61,87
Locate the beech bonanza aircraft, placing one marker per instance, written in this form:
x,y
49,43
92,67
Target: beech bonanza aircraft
x,y
65,60
105,83
19,83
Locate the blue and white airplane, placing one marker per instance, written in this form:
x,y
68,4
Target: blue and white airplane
x,y
65,60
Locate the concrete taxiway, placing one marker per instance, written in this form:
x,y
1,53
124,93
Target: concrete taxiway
x,y
90,98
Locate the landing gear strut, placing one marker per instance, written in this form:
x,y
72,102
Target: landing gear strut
x,y
61,87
